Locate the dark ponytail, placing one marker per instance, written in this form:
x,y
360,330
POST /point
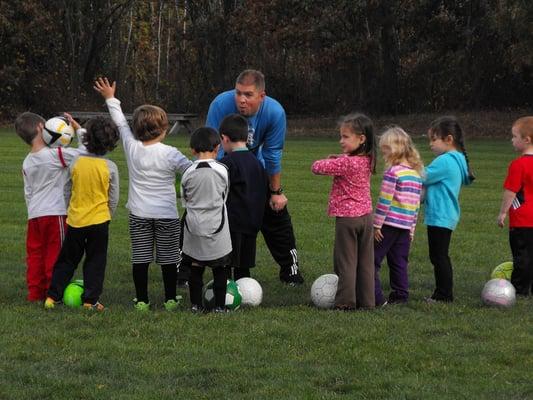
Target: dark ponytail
x,y
448,125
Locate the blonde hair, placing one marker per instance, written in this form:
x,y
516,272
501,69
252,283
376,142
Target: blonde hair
x,y
524,126
401,147
149,122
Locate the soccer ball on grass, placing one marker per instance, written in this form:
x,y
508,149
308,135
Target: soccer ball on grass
x,y
498,292
251,292
233,295
72,294
323,291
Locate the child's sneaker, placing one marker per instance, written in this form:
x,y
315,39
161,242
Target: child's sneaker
x,y
141,305
220,310
196,309
183,284
94,307
50,303
172,305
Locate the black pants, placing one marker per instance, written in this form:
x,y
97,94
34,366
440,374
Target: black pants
x,y
196,284
279,237
439,245
521,241
91,240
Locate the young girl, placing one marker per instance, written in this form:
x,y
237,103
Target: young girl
x,y
396,211
153,218
443,180
351,204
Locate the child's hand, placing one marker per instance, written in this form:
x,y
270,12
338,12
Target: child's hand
x,y
501,219
72,121
378,236
102,86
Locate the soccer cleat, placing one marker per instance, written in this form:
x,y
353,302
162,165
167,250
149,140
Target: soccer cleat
x,y
172,305
94,307
141,305
50,303
291,276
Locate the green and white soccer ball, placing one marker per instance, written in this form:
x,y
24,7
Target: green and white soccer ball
x,y
72,294
233,295
58,132
251,292
503,271
323,291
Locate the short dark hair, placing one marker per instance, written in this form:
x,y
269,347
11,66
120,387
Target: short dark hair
x,y
26,125
252,77
235,127
149,122
101,136
204,139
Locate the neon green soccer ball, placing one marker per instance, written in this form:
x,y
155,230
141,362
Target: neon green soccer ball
x,y
503,271
73,293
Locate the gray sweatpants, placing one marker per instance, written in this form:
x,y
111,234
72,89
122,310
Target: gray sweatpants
x,y
353,261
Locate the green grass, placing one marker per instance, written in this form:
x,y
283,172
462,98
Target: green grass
x,y
284,348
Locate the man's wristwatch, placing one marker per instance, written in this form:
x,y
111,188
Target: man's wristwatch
x,y
277,191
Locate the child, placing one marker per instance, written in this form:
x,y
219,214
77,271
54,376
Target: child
x,y
45,174
396,211
443,180
247,195
350,202
153,217
94,186
206,236
517,201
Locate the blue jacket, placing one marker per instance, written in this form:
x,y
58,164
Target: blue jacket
x,y
444,177
269,125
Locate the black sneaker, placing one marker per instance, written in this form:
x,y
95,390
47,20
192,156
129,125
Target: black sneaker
x,y
183,284
291,277
220,310
196,309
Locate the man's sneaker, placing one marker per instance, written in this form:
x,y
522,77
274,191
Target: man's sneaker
x,y
141,305
50,303
94,307
291,277
172,305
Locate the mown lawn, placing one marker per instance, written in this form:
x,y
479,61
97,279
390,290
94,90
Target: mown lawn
x,y
285,348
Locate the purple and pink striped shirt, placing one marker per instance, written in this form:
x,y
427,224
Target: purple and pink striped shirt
x,y
399,198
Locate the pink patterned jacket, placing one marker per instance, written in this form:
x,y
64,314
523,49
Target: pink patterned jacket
x,y
350,192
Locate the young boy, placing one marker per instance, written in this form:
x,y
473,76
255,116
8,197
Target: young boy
x,y
94,185
206,236
247,196
45,174
518,201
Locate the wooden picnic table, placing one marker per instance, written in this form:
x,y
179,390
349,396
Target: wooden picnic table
x,y
176,120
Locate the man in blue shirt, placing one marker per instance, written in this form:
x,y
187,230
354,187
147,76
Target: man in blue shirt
x,y
266,136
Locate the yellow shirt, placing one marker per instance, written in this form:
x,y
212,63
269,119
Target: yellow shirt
x,y
94,191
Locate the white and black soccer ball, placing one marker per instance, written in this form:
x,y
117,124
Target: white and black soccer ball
x,y
498,292
251,292
323,291
58,132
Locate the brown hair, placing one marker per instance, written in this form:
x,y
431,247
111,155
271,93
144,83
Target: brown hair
x,y
360,124
252,77
149,122
524,126
26,126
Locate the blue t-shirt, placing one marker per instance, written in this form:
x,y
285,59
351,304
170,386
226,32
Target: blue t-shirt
x,y
266,128
443,179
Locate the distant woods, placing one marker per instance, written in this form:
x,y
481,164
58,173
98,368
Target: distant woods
x,y
319,56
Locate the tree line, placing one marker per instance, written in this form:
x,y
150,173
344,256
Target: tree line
x,y
319,56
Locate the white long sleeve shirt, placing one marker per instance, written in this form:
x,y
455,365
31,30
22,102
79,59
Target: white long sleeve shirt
x,y
152,171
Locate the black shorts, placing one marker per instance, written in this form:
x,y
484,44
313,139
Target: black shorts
x,y
244,247
219,262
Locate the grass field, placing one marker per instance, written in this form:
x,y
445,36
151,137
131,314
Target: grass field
x,y
285,349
